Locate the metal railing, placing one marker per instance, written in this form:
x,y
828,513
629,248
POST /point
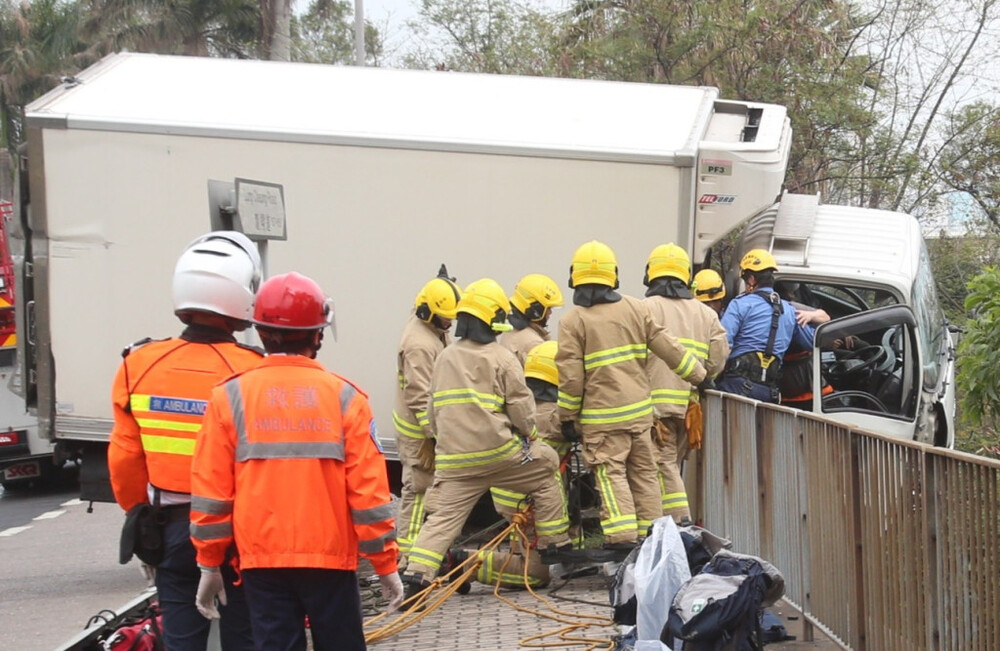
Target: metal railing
x,y
884,544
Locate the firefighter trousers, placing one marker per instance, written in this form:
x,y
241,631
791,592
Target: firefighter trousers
x,y
624,466
671,449
507,567
412,496
454,493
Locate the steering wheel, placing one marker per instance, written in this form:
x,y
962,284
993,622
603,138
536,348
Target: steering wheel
x,y
846,399
853,362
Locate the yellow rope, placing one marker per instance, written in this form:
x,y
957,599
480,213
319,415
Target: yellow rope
x,y
447,585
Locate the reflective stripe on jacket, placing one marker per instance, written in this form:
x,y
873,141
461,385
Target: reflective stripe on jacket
x,y
698,329
158,398
288,464
419,346
520,342
602,358
479,398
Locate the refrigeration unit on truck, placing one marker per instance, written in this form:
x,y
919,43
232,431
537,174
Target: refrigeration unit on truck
x,y
376,176
869,270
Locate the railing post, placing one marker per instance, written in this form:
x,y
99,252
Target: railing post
x,y
855,535
928,466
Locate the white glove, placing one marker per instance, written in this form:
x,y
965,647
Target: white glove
x,y
210,589
148,573
392,590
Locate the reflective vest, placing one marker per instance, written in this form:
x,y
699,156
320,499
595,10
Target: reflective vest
x,y
159,395
290,467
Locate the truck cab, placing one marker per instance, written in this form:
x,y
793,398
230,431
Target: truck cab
x,y
886,359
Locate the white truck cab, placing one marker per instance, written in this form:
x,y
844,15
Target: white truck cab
x,y
887,354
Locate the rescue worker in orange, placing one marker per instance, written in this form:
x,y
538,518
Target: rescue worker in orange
x,y
159,395
531,306
604,392
697,328
289,466
483,417
424,337
709,289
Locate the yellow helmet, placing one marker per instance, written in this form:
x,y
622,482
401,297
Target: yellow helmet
x,y
758,260
534,294
668,260
708,286
485,300
439,297
594,262
540,363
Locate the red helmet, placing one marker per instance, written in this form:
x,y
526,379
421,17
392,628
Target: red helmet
x,y
292,302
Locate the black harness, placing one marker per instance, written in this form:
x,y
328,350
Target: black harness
x,y
761,366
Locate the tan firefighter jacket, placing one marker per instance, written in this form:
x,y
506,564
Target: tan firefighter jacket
x,y
419,347
601,359
696,326
520,342
480,407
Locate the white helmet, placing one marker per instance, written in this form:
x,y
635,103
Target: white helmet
x,y
218,272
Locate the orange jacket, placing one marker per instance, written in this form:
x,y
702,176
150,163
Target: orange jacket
x,y
158,396
288,463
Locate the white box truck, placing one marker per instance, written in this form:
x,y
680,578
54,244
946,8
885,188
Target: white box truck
x,y
870,271
377,176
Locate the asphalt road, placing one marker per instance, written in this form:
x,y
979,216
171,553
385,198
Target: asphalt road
x,y
59,565
19,506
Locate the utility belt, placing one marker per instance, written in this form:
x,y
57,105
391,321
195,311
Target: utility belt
x,y
756,367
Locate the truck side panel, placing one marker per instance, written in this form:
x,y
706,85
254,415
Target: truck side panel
x,y
370,224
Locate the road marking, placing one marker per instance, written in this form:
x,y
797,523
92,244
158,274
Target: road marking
x,y
13,530
72,502
49,515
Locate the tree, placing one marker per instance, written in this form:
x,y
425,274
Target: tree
x,y
979,375
275,32
40,42
494,36
325,34
226,28
970,158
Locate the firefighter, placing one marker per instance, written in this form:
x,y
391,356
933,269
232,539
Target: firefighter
x,y
760,326
709,289
159,396
697,327
531,306
796,379
604,389
483,417
542,378
289,466
424,337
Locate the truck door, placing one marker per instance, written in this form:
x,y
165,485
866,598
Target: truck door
x,y
874,362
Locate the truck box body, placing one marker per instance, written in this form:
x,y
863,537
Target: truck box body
x,y
385,174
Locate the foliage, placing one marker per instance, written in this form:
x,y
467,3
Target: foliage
x,y
493,36
970,159
979,374
40,42
325,34
226,28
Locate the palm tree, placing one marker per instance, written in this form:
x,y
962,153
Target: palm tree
x,y
40,42
226,28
